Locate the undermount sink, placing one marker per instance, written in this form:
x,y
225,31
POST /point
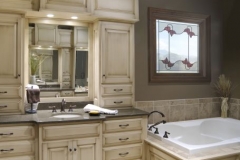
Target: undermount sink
x,y
66,116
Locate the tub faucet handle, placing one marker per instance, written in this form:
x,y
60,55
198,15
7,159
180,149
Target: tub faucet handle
x,y
156,131
166,134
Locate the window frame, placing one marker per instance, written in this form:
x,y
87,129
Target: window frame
x,y
203,21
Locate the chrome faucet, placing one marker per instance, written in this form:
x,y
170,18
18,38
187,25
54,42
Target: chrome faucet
x,y
63,105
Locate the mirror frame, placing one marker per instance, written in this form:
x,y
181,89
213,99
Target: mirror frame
x,y
73,23
203,21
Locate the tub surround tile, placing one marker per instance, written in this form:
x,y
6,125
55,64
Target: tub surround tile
x,y
192,101
164,110
216,110
161,103
205,110
205,100
146,106
177,102
191,111
176,113
233,111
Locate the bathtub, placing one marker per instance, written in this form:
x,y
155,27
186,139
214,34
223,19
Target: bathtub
x,y
196,136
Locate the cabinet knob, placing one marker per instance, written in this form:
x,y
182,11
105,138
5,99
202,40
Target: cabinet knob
x,y
17,76
70,150
75,149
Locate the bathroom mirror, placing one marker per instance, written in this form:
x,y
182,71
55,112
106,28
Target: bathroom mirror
x,y
45,62
81,73
65,69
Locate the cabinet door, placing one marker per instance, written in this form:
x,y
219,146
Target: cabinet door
x,y
117,52
87,149
45,35
10,44
57,150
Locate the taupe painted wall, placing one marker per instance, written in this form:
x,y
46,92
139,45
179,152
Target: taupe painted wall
x,y
144,90
231,56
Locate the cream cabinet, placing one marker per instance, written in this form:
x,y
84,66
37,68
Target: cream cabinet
x,y
17,142
115,42
64,38
11,37
45,34
153,153
123,139
81,37
117,9
70,141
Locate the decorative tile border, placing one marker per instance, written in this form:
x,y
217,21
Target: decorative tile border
x,y
188,109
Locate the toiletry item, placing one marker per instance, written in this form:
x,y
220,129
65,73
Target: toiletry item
x,y
94,113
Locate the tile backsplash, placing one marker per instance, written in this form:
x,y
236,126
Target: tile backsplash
x,y
188,109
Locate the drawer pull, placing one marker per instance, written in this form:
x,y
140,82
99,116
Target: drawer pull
x,y
123,139
5,106
3,92
119,102
7,150
123,125
6,134
70,150
118,90
75,149
123,154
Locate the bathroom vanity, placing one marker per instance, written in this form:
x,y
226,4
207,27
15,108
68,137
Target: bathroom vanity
x,y
42,137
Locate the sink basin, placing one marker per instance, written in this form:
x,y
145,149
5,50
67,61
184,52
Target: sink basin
x,y
66,116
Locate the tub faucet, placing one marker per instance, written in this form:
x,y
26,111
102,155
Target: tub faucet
x,y
63,105
155,112
153,126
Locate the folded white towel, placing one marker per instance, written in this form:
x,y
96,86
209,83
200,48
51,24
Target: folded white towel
x,y
91,107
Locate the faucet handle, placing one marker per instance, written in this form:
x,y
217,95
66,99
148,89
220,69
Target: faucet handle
x,y
71,108
53,109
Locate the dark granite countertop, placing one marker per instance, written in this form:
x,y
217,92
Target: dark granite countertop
x,y
46,116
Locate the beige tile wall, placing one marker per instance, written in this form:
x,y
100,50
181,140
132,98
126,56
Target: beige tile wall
x,y
187,109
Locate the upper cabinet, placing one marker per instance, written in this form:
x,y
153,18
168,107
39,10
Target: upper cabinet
x,y
116,9
45,34
11,37
10,43
77,6
81,37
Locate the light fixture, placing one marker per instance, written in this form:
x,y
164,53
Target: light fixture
x,y
50,15
74,17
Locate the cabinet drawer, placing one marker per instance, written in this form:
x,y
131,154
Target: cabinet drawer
x,y
117,90
122,138
18,158
49,94
12,105
127,152
67,93
122,125
10,92
16,148
66,78
16,133
70,131
117,101
66,85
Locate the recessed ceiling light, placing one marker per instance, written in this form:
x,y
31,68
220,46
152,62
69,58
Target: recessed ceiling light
x,y
50,15
74,17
